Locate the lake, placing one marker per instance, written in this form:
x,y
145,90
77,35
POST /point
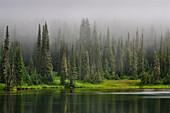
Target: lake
x,y
85,101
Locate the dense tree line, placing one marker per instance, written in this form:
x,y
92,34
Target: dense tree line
x,y
90,58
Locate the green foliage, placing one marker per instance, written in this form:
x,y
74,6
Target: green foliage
x,y
18,67
94,57
134,64
111,76
119,59
5,59
147,78
2,86
46,64
127,58
156,68
167,79
85,67
73,70
26,78
161,60
141,65
37,51
31,67
64,69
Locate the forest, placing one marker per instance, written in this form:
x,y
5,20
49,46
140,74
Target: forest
x,y
91,58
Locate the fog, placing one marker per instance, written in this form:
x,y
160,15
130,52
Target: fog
x,y
122,16
123,10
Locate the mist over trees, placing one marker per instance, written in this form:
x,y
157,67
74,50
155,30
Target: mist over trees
x,y
88,53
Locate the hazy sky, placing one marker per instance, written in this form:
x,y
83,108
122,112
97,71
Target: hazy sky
x,y
123,10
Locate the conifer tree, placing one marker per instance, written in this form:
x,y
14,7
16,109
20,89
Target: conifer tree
x,y
156,68
64,69
141,58
31,67
73,70
79,62
137,40
68,59
127,59
161,58
18,67
37,51
110,56
97,52
1,62
134,63
105,67
119,59
46,64
85,66
5,76
167,65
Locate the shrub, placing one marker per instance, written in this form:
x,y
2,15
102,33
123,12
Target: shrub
x,y
167,79
145,78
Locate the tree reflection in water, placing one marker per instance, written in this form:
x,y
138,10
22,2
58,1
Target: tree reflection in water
x,y
80,101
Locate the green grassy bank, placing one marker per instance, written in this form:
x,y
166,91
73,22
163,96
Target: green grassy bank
x,y
107,84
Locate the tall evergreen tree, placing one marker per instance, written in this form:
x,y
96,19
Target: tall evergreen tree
x,y
79,62
134,62
1,62
73,70
119,59
64,69
18,67
156,68
137,40
167,65
109,54
97,52
85,66
37,51
31,67
161,58
46,64
141,58
127,58
5,76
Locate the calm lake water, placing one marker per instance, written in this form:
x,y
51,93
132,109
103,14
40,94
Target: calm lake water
x,y
85,101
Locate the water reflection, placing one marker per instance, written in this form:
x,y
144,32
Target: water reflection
x,y
81,101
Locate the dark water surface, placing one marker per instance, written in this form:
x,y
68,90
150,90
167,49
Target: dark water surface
x,y
85,101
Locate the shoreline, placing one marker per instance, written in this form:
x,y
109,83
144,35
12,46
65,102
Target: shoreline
x,y
107,84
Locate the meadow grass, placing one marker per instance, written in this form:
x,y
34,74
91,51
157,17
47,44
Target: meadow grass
x,y
2,86
106,84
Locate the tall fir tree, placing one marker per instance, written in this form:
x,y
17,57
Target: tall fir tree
x,y
156,68
73,70
79,62
1,62
141,66
134,63
46,63
127,58
109,54
5,75
119,59
18,67
161,58
37,51
31,66
167,61
64,69
85,66
97,52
